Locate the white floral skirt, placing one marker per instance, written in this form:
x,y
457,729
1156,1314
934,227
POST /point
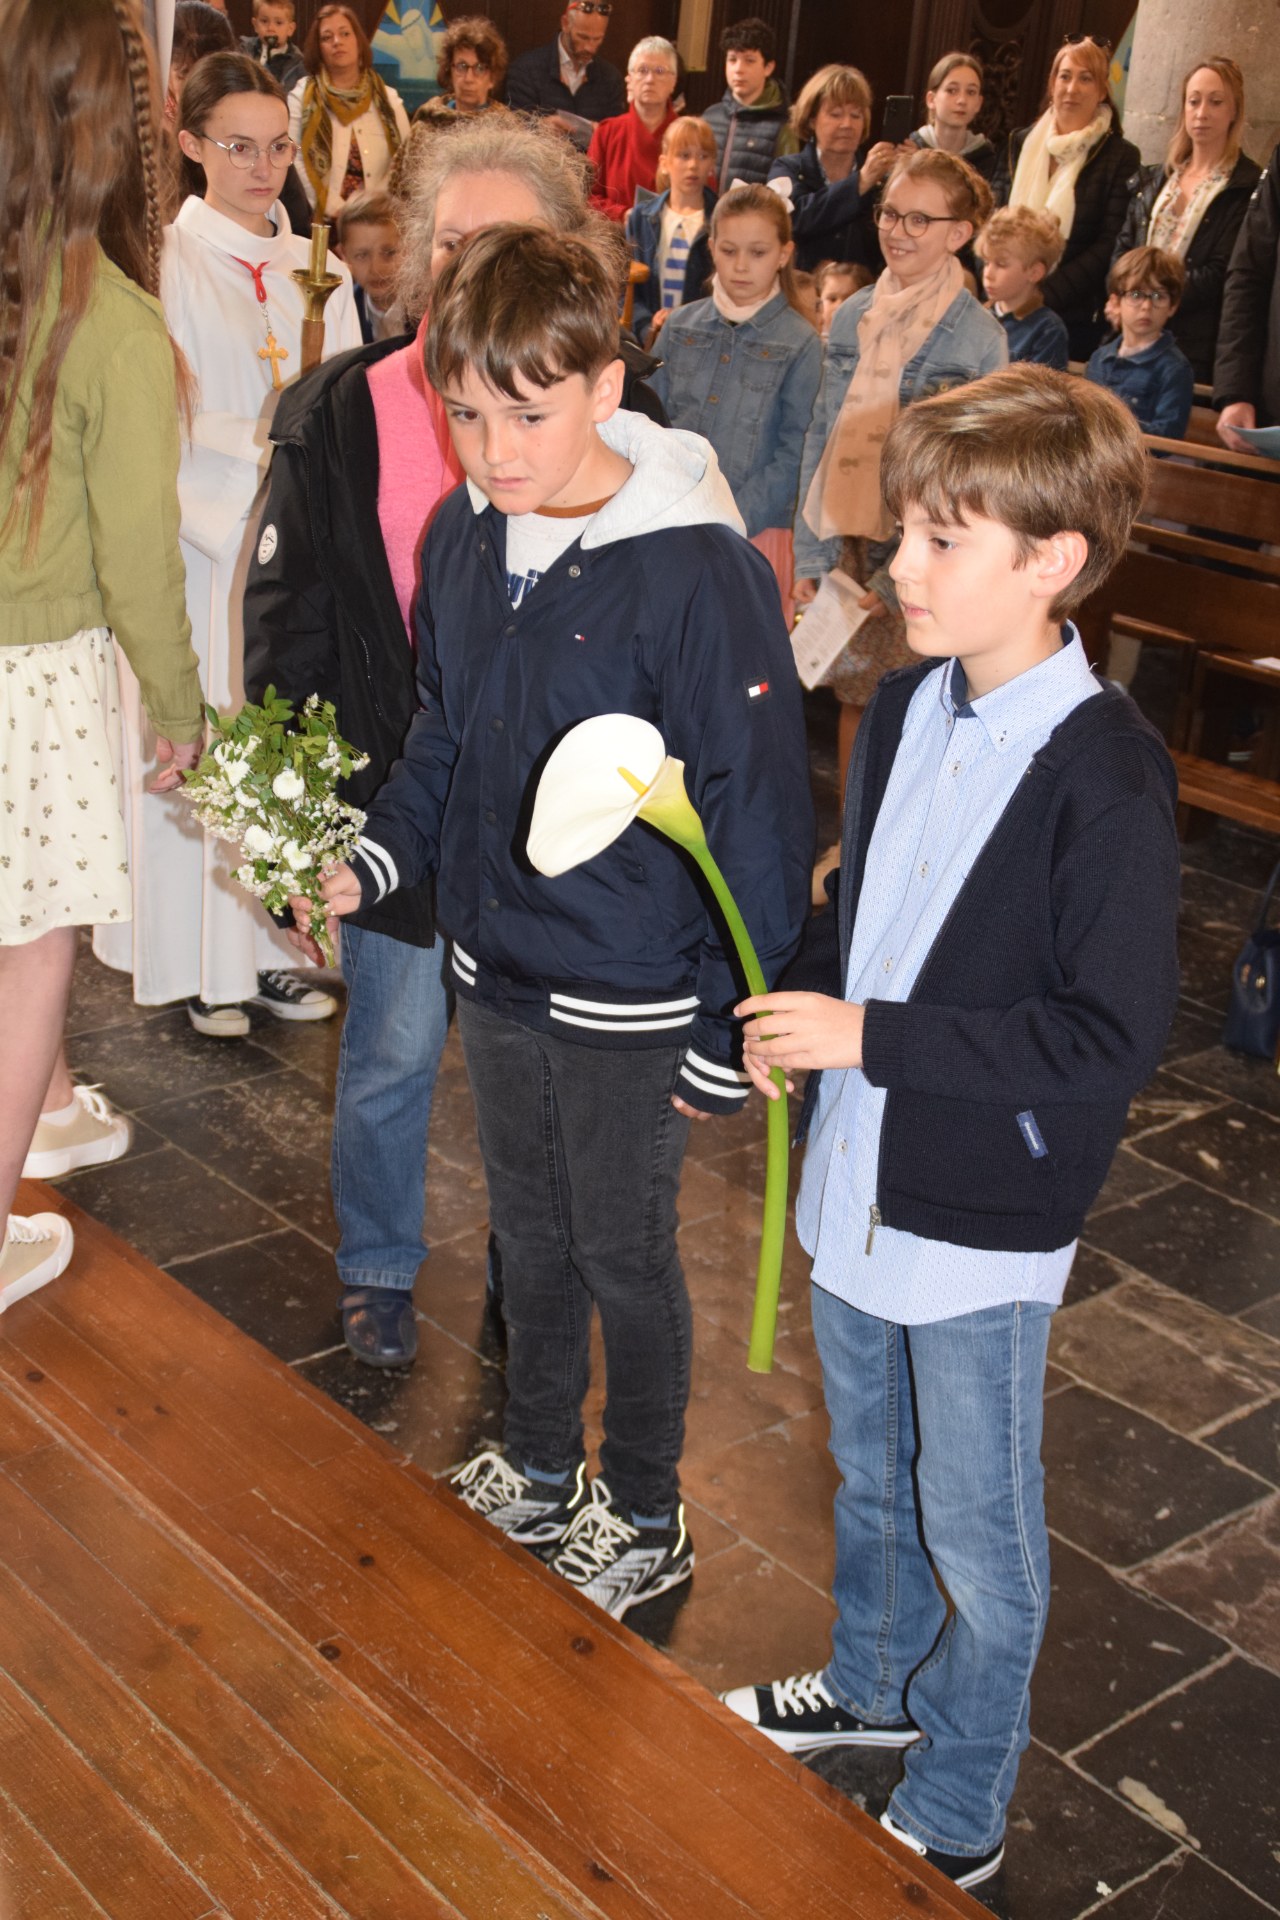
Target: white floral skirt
x,y
62,846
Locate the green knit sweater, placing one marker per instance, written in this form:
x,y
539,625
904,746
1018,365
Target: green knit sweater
x,y
107,555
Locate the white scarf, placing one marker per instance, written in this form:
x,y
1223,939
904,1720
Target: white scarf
x,y
1032,186
725,307
1175,232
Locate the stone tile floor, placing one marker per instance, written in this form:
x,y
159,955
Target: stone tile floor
x,y
1152,1786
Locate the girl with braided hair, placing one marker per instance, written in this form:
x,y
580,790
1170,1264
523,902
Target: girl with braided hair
x,y
235,311
88,546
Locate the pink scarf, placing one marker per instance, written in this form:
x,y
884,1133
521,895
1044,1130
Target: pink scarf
x,y
417,465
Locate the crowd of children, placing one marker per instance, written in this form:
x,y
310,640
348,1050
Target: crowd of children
x,y
489,515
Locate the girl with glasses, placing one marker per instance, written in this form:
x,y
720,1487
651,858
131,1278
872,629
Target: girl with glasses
x,y
916,332
1074,163
234,310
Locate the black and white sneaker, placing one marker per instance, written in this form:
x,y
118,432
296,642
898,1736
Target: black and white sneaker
x,y
289,998
534,1513
964,1869
618,1564
800,1716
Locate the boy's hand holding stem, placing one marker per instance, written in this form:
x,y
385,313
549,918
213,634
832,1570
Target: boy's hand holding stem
x,y
797,1031
341,892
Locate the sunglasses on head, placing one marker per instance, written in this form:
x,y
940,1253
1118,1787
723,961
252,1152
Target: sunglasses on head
x,y
1086,39
603,7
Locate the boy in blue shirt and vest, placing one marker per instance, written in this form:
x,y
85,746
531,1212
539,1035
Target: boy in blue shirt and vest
x,y
998,976
1145,367
593,563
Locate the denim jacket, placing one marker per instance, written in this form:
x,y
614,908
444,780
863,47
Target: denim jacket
x,y
750,389
1157,385
966,343
643,229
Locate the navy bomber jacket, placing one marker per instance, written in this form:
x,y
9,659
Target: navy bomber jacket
x,y
662,610
1051,987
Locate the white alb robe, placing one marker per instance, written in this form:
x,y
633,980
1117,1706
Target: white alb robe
x,y
194,931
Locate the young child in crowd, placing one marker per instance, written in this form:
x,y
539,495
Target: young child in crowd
x,y
751,123
837,281
666,231
1017,248
593,563
272,43
999,978
804,298
368,241
1145,367
743,368
953,101
915,332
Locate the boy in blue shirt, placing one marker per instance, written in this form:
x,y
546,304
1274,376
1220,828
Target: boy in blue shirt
x,y
1145,367
1000,977
1018,247
593,563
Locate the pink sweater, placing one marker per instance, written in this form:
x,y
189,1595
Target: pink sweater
x,y
417,465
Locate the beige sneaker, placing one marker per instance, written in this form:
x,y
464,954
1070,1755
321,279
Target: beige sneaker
x,y
36,1250
94,1136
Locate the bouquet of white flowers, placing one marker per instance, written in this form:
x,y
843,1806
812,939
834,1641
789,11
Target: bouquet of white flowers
x,y
268,783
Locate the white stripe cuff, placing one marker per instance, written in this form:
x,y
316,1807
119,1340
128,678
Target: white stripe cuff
x,y
380,864
717,1087
716,1069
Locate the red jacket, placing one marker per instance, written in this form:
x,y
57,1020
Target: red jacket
x,y
625,156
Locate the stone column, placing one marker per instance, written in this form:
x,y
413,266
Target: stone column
x,y
1171,35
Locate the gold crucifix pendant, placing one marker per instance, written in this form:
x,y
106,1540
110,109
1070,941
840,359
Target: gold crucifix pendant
x,y
275,353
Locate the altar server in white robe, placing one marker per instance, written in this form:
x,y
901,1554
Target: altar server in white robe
x,y
237,315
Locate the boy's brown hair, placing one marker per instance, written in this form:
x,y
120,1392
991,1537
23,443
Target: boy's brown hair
x,y
285,6
519,302
1147,270
1032,232
1040,452
365,210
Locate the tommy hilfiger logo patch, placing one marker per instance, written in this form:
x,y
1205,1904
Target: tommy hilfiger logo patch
x,y
756,689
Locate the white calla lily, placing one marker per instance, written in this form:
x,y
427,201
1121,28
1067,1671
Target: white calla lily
x,y
605,774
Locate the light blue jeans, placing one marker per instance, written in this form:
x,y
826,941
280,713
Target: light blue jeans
x,y
936,1432
392,1039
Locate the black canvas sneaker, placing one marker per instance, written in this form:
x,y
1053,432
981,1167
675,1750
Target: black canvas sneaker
x,y
289,998
535,1513
964,1869
618,1564
800,1716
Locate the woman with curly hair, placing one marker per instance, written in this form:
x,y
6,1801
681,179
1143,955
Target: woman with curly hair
x,y
348,123
470,70
88,547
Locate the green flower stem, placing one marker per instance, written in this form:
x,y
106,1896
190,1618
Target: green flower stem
x,y
764,1317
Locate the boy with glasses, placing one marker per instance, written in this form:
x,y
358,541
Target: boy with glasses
x,y
1145,367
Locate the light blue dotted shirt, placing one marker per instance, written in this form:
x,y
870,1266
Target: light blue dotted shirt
x,y
958,765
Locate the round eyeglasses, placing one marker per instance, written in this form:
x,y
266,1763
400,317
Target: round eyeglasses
x,y
470,66
246,153
1144,297
913,224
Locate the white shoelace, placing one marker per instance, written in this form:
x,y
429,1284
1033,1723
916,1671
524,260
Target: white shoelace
x,y
91,1099
488,1482
596,1539
801,1693
25,1233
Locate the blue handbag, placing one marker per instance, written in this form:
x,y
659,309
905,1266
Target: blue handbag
x,y
1253,1018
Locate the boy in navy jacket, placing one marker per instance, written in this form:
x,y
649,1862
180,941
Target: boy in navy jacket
x,y
999,979
593,563
1145,367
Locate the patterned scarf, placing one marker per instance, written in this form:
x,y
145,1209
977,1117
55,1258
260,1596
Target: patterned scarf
x,y
844,497
1032,185
1175,231
346,105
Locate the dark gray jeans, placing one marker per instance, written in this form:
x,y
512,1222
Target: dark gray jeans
x,y
582,1153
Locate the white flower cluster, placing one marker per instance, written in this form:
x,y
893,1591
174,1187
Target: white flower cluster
x,y
286,818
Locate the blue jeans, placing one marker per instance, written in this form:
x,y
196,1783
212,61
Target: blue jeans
x,y
392,1039
936,1432
582,1154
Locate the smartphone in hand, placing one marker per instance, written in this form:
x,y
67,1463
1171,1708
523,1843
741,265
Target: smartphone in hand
x,y
899,118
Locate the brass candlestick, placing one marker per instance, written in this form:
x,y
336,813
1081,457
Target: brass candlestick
x,y
317,284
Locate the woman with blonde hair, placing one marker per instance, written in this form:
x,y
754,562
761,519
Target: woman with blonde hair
x,y
1193,204
88,548
347,122
829,186
1074,162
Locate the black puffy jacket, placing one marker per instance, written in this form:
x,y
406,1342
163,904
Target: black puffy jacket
x,y
1247,365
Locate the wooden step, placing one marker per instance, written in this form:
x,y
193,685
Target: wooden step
x,y
1229,791
254,1663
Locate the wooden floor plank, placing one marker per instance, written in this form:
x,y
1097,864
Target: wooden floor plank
x,y
102,1843
233,1517
354,1780
33,1880
200,1822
